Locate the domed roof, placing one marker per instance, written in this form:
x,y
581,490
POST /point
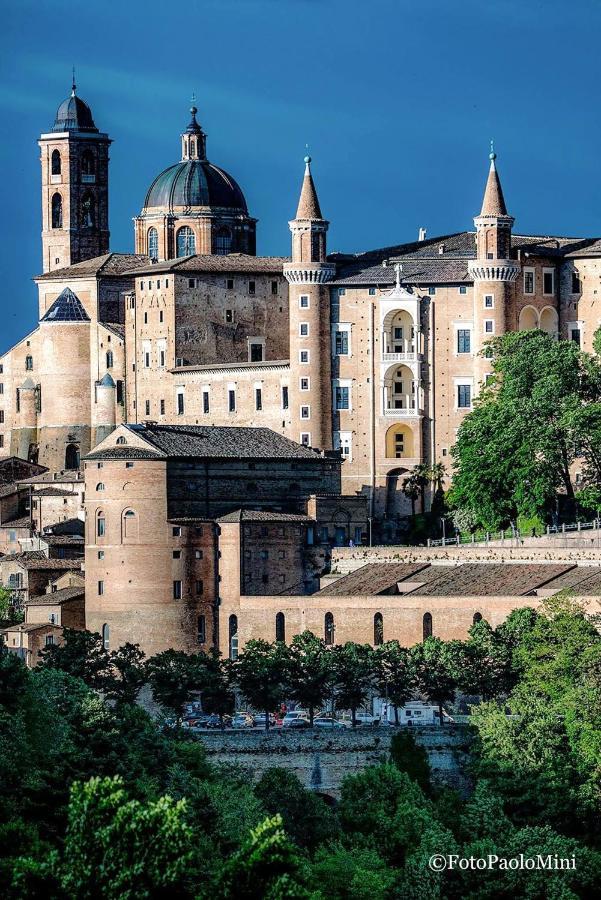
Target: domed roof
x,y
193,183
74,115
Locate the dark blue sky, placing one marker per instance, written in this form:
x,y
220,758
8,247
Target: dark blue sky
x,y
397,99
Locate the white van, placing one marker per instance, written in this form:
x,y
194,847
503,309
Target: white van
x,y
292,716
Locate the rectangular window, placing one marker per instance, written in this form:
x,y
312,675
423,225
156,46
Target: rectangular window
x,y
489,326
176,531
252,287
101,554
100,526
161,316
305,438
177,554
230,284
462,289
274,288
343,442
199,587
146,318
198,554
258,399
575,335
285,397
177,590
50,639
120,392
341,343
528,281
146,359
161,357
303,329
431,291
464,396
464,337
100,588
489,301
1,440
191,282
305,412
303,301
162,407
548,282
231,400
303,356
180,403
206,405
1,417
342,397
256,352
129,465
304,384
147,407
229,315
341,292
576,286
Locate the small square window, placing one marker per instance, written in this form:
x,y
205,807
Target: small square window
x,y
462,289
177,554
304,356
304,384
431,291
372,292
489,326
176,531
305,412
198,554
303,329
341,292
129,465
101,554
305,438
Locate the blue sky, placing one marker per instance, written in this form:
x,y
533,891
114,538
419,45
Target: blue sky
x,y
398,100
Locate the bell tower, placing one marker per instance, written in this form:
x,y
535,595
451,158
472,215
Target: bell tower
x,y
308,274
74,157
493,270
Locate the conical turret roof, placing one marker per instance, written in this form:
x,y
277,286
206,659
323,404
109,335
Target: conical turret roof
x,y
308,204
493,203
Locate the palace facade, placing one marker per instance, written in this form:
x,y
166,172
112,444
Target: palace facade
x,y
375,354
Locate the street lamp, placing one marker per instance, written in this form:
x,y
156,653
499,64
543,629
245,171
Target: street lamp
x,y
444,531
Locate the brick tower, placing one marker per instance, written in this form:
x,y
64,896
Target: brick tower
x,y
493,270
310,354
75,206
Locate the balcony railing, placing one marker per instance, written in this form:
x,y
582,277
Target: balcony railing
x,y
409,357
392,413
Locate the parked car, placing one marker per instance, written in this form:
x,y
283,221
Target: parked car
x,y
328,723
259,719
196,721
298,723
291,717
362,720
243,720
215,721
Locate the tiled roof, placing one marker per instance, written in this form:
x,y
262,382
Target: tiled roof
x,y
63,540
215,442
490,579
233,262
308,203
55,492
31,626
374,578
23,522
56,598
36,559
256,515
493,203
106,265
116,328
7,489
583,581
66,527
264,364
125,453
70,477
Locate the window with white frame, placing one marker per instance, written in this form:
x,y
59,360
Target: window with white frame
x,y
303,329
305,412
180,401
303,301
463,393
341,343
305,438
528,281
489,301
162,352
343,440
146,351
342,395
489,326
304,384
206,399
548,282
231,397
464,340
303,356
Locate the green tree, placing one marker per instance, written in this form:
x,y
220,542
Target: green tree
x,y
13,678
174,676
117,847
411,490
394,674
408,757
217,695
353,672
350,873
266,866
262,674
82,655
483,664
128,673
306,818
310,672
434,665
516,448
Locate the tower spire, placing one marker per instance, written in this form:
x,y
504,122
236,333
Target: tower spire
x,y
193,139
73,85
493,203
308,203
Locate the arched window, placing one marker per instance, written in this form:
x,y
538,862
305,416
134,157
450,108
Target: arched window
x,y
56,163
427,625
109,359
477,617
378,629
329,628
88,164
121,440
222,241
153,243
233,637
315,246
57,211
106,637
130,524
100,486
29,363
100,524
185,241
88,212
201,629
72,457
280,627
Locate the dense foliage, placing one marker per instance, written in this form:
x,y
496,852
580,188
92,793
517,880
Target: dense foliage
x,y
100,802
540,412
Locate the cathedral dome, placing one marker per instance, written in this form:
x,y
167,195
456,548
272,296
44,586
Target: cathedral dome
x,y
74,115
195,183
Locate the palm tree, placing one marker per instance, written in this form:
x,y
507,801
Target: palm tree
x,y
423,478
411,490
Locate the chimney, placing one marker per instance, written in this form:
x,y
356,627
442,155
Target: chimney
x,y
422,234
441,249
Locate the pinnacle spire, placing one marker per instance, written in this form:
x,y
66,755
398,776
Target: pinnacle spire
x,y
308,204
493,203
73,85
